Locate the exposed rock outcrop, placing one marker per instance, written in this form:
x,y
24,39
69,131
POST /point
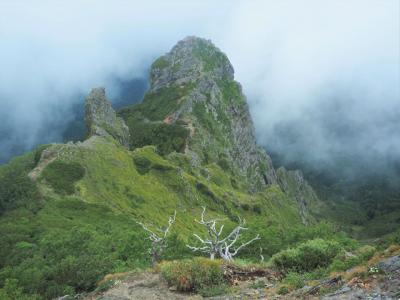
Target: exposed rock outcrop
x,y
193,87
293,183
101,118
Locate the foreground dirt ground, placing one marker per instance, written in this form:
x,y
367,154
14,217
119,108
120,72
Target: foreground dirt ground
x,y
350,285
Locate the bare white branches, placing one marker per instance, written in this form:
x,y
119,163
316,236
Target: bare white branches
x,y
158,238
214,244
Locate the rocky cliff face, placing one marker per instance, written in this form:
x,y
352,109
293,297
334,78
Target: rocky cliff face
x,y
101,118
293,183
193,94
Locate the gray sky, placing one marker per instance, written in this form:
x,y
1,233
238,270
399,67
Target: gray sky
x,y
328,70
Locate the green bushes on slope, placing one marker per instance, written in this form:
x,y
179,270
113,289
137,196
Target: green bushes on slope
x,y
95,233
11,291
67,247
193,274
307,256
62,176
146,120
166,137
16,188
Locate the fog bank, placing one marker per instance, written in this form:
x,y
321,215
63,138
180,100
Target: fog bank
x,y
322,77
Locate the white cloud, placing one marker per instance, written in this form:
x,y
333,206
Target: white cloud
x,y
292,57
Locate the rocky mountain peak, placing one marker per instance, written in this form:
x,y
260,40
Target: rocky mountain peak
x,y
189,60
101,118
196,102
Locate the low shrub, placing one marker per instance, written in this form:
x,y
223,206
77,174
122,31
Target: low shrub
x,y
245,206
224,164
143,164
306,256
294,280
258,284
215,290
196,274
62,176
283,290
17,189
38,153
345,260
162,167
206,191
11,291
257,208
366,252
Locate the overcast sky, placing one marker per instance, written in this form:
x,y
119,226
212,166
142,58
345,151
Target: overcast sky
x,y
328,72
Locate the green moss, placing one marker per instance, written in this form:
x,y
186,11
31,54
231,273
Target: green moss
x,y
62,176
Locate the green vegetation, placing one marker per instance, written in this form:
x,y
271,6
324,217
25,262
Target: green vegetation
x,y
283,290
345,260
145,120
231,91
307,256
166,137
294,280
42,248
258,284
11,291
160,63
143,165
211,58
67,247
156,106
64,230
62,176
16,188
197,274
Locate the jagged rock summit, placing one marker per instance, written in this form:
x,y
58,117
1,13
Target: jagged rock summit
x,y
190,59
101,118
195,106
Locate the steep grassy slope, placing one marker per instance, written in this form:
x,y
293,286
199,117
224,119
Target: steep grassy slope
x,y
68,241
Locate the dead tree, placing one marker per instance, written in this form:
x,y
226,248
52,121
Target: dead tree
x,y
214,244
158,238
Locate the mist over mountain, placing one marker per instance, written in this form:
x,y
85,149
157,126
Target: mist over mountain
x,y
156,142
322,79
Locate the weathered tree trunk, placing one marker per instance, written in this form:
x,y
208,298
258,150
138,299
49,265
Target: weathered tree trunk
x,y
214,244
